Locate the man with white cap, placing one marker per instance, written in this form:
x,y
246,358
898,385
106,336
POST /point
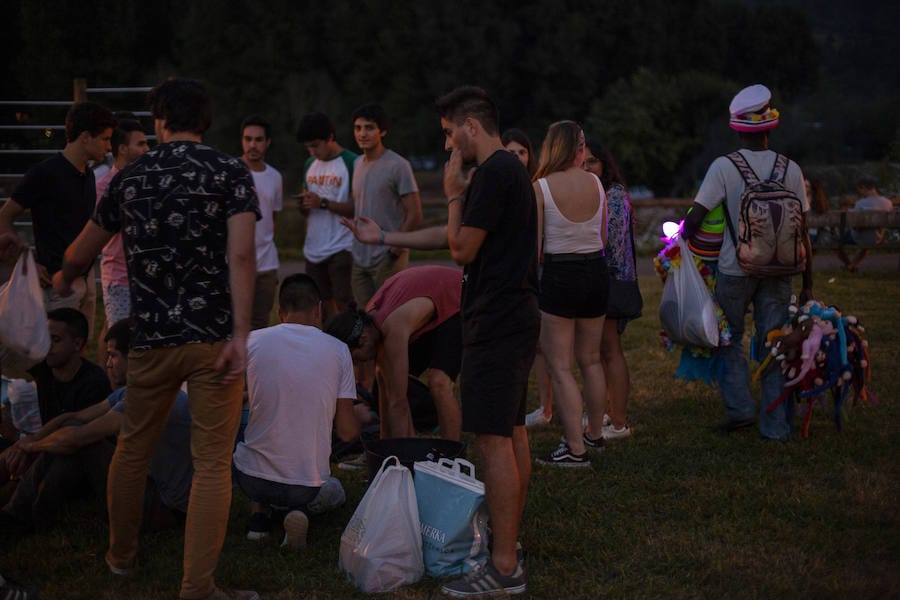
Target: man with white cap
x,y
726,181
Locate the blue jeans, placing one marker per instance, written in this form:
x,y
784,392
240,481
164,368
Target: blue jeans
x,y
770,298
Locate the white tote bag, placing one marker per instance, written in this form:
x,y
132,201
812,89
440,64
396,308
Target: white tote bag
x,y
687,311
381,548
24,337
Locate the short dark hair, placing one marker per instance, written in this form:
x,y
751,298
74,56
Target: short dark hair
x,y
470,101
122,134
348,326
298,292
259,121
371,112
76,323
315,126
120,334
183,104
87,116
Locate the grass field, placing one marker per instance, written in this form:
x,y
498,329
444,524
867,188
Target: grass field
x,y
677,511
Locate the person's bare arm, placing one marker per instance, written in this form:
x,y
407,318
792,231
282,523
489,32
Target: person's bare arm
x,y
539,198
79,256
464,242
85,415
345,422
311,200
368,231
806,292
232,359
67,440
693,220
8,215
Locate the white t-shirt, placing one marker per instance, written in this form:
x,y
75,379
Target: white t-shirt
x,y
295,375
724,180
268,185
325,236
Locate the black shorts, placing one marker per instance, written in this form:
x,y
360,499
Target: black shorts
x,y
574,286
494,382
440,348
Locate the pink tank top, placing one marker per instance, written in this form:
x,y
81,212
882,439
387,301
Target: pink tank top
x,y
442,285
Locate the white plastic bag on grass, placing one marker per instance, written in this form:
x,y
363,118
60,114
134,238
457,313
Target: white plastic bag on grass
x,y
23,319
687,311
381,548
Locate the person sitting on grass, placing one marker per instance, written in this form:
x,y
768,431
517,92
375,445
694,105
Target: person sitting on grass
x,y
410,324
300,382
69,456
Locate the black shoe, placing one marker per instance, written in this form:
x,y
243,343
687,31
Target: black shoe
x,y
731,424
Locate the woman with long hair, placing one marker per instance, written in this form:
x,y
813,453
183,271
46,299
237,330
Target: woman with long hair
x,y
517,142
574,287
625,301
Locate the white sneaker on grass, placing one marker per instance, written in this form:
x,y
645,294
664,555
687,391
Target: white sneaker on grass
x,y
536,418
610,432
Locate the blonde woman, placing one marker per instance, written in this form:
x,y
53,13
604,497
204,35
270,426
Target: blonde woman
x,y
574,288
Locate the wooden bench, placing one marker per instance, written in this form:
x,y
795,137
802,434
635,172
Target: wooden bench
x,y
840,222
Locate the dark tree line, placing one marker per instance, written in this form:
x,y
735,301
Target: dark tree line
x,y
652,78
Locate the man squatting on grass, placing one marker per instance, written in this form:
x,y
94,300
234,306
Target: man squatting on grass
x,y
186,212
492,230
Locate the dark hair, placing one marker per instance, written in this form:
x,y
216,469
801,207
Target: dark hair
x,y
348,326
122,115
611,173
259,121
371,112
867,182
184,104
818,201
120,334
76,323
87,116
470,101
315,126
122,134
521,138
298,292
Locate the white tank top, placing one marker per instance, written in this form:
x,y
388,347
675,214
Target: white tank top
x,y
562,236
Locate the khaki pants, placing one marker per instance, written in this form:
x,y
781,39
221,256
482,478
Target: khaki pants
x,y
154,377
366,280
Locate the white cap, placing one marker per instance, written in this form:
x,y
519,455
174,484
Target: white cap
x,y
750,99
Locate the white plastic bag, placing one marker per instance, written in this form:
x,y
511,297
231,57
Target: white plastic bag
x,y
453,515
23,319
687,311
381,548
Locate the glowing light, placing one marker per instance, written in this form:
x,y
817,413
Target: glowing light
x,y
670,229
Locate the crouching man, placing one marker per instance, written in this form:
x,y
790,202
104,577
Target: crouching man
x,y
300,382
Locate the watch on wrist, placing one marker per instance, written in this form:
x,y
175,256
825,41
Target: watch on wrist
x,y
323,203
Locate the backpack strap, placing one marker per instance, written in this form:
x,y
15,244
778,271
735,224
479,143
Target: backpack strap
x,y
779,169
740,163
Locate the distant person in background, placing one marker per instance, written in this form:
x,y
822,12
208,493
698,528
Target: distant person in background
x,y
818,204
256,136
625,301
129,142
574,288
869,199
517,142
327,177
60,192
385,190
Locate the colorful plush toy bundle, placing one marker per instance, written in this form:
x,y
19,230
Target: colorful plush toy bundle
x,y
818,350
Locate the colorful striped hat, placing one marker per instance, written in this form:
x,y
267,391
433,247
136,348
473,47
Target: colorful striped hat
x,y
750,110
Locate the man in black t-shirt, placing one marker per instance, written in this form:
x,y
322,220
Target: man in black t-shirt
x,y
60,194
187,214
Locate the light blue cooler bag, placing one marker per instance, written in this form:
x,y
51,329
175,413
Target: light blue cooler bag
x,y
453,516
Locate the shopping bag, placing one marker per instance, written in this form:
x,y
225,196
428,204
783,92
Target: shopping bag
x,y
453,516
381,548
24,337
687,311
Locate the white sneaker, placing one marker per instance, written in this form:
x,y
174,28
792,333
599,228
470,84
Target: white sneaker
x,y
354,464
606,420
296,524
611,433
536,417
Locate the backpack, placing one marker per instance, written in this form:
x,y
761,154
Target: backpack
x,y
770,223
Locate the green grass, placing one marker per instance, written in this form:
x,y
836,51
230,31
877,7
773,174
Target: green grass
x,y
677,511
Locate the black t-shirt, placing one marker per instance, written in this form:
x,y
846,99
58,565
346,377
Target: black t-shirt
x,y
89,386
172,206
500,286
61,199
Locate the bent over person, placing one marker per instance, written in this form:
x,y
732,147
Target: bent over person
x,y
186,212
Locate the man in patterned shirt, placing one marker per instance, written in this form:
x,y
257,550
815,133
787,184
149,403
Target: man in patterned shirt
x,y
186,213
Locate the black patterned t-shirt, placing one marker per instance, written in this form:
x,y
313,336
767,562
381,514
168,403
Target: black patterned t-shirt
x,y
172,206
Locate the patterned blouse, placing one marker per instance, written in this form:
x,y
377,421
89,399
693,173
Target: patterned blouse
x,y
620,241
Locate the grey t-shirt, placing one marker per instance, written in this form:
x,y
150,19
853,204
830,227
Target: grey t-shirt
x,y
377,188
171,467
724,181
